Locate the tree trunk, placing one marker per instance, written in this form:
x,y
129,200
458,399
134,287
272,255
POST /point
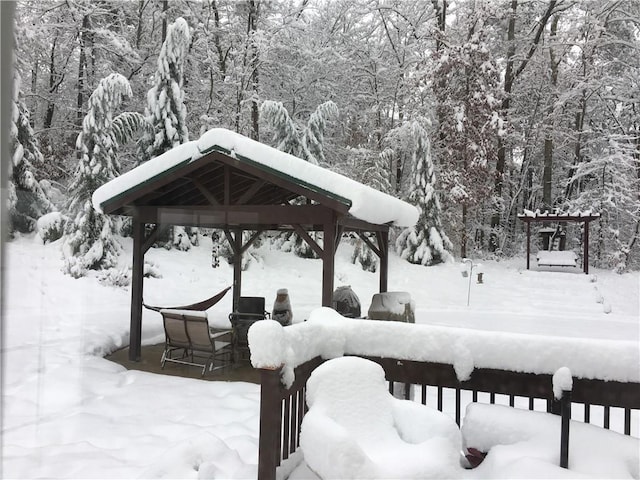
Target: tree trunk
x,y
48,117
165,7
34,89
441,13
463,237
504,108
82,71
548,140
572,184
254,10
141,6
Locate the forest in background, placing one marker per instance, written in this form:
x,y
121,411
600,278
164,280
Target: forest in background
x,y
495,106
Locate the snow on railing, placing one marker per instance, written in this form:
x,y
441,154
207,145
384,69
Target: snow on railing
x,y
329,335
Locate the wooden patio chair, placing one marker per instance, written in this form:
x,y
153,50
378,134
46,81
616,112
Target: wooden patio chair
x,y
250,310
188,334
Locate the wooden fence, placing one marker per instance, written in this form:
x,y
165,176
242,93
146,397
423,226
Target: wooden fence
x,y
282,409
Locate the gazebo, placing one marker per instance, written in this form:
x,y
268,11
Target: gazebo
x,y
228,181
578,217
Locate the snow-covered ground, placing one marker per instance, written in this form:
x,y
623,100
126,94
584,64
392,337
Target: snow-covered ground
x,y
69,413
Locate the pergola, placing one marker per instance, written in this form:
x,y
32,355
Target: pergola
x,y
579,217
228,181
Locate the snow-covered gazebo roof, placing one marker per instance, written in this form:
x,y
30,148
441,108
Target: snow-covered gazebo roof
x,y
226,180
193,163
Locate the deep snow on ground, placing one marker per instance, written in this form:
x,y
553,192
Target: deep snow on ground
x,y
68,413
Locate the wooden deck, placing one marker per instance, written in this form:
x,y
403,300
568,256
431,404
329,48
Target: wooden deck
x,y
150,362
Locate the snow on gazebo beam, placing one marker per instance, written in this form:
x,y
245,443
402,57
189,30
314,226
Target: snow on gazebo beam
x,y
546,216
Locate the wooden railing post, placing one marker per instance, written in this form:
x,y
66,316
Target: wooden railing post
x,y
270,424
565,415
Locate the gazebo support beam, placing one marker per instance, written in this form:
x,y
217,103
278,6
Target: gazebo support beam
x,y
370,244
328,266
135,335
383,247
310,241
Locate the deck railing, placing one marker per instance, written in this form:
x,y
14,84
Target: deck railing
x,y
436,384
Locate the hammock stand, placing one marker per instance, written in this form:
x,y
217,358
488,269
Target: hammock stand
x,y
200,306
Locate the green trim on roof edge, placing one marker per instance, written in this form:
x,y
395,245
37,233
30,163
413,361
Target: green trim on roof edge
x,y
140,185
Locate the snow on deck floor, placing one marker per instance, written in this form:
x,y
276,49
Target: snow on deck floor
x,y
67,413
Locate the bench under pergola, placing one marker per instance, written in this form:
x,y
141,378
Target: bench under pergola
x,y
225,180
545,217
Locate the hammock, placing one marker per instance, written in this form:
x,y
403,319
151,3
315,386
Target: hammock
x,y
200,306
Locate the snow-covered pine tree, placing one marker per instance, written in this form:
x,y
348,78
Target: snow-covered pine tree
x,y
379,172
89,241
313,139
304,143
287,136
165,109
426,243
27,199
166,113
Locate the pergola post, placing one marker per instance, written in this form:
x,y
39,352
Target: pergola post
x,y
328,254
135,335
528,243
585,257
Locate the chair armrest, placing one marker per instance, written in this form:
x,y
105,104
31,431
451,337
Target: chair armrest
x,y
418,423
220,335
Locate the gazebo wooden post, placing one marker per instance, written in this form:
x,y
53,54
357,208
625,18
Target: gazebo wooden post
x,y
528,243
383,246
137,274
585,257
328,254
237,268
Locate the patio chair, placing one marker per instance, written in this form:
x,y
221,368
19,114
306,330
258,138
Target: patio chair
x,y
250,310
355,429
189,341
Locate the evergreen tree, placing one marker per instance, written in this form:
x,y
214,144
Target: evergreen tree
x,y
313,139
426,243
304,143
165,109
166,113
287,136
89,242
27,199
